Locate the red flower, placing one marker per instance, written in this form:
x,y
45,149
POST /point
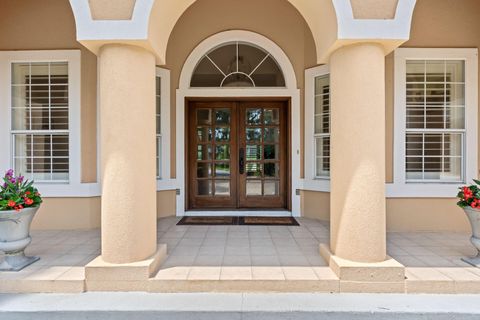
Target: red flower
x,y
467,193
28,201
18,208
27,193
11,203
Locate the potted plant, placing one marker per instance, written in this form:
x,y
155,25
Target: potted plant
x,y
19,201
469,201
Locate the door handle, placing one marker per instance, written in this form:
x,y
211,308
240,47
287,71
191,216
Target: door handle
x,y
241,161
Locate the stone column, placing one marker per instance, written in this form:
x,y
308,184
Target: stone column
x,y
358,230
128,170
357,252
127,129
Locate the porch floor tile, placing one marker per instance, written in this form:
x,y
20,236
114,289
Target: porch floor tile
x,y
245,254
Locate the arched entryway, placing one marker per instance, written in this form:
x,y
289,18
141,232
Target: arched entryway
x,y
238,127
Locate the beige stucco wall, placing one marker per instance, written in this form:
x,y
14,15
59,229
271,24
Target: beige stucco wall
x,y
84,213
277,20
47,25
68,213
166,203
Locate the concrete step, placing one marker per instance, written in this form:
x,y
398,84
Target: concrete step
x,y
212,306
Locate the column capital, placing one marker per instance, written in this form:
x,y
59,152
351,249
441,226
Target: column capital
x,y
385,22
99,23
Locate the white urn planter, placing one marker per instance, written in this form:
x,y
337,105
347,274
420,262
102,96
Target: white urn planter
x,y
474,218
15,237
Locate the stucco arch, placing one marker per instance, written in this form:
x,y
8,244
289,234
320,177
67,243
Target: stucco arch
x,y
333,23
319,15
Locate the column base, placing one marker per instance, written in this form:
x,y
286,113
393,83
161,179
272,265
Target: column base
x,y
100,271
379,277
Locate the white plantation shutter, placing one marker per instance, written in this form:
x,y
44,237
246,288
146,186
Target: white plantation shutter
x,y
322,126
435,120
158,103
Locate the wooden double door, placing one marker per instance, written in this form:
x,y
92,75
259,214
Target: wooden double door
x,y
237,155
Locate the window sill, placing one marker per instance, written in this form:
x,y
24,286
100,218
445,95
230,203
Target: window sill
x,y
422,190
393,190
166,184
322,185
73,190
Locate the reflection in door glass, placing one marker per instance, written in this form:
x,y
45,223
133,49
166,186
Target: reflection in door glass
x,y
203,117
254,170
254,188
204,187
254,134
222,152
204,134
222,134
222,187
204,152
271,188
271,135
222,116
271,116
254,152
254,116
222,170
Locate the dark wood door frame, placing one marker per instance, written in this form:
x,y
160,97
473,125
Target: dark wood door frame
x,y
285,145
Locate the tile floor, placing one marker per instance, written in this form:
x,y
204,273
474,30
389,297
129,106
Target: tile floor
x,y
245,246
239,246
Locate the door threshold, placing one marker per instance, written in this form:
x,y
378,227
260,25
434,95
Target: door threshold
x,y
236,213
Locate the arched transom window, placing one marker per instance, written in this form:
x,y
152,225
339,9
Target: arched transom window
x,y
237,64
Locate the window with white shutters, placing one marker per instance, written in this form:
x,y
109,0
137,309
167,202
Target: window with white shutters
x,y
40,120
162,120
158,103
435,120
322,126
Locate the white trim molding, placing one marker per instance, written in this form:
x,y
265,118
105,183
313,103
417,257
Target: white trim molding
x,y
290,91
164,183
402,188
74,187
311,182
90,29
397,28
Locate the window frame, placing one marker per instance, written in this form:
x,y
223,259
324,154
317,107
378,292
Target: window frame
x,y
402,187
311,181
164,181
73,58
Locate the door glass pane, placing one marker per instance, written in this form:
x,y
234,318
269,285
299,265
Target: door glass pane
x,y
204,187
222,152
271,188
271,152
222,134
204,170
222,170
271,170
254,152
222,187
254,188
271,116
254,116
204,152
204,134
203,117
254,134
222,116
254,170
271,135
